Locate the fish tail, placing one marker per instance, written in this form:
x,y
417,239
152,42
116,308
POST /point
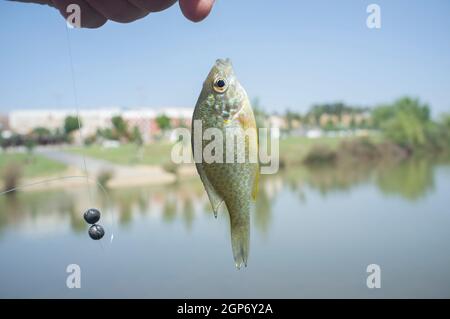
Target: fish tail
x,y
240,235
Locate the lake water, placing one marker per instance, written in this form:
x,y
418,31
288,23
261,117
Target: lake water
x,y
314,232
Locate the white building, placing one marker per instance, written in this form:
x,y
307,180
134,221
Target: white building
x,y
143,119
24,121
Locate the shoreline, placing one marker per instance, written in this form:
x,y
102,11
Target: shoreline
x,y
142,175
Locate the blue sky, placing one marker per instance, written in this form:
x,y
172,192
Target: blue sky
x,y
290,55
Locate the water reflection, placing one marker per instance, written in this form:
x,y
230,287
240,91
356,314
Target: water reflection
x,y
166,236
410,180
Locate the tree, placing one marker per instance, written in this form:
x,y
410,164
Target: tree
x,y
41,131
353,122
136,136
445,121
120,126
329,125
290,118
107,133
442,132
40,135
338,109
260,115
163,122
29,145
71,124
406,122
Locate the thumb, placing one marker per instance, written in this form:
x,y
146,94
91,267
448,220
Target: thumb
x,y
196,10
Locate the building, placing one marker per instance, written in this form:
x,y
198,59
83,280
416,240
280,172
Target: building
x,y
23,122
4,122
277,121
145,119
179,117
346,120
327,119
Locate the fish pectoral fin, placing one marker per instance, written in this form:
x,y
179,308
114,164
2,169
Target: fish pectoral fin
x,y
215,202
214,198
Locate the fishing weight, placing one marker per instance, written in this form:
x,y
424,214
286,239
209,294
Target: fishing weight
x,y
92,216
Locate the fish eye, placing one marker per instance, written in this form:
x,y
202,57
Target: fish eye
x,y
220,85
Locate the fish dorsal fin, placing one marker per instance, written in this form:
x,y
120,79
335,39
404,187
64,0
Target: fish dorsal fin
x,y
215,199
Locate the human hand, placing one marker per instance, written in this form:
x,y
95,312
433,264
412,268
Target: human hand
x,y
95,13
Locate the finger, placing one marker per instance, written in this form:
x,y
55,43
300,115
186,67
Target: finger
x,y
49,2
118,10
153,5
89,17
196,10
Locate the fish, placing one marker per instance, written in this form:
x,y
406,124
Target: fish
x,y
224,105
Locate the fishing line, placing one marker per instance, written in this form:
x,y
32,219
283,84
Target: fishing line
x,y
86,176
75,94
52,180
49,180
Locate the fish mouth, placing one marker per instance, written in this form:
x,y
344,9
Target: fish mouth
x,y
223,62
